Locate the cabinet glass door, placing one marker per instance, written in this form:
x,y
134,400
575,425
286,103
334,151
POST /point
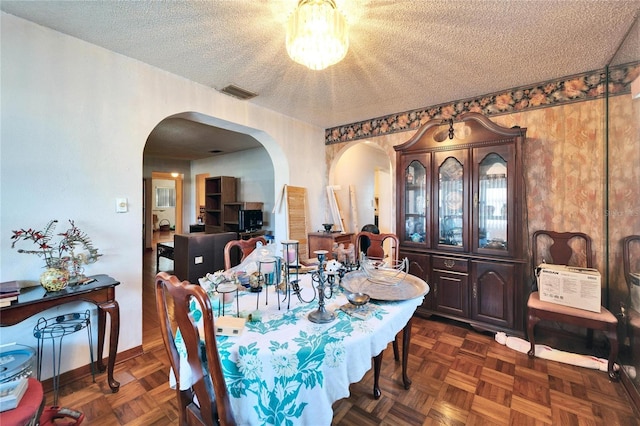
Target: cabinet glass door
x,y
492,202
416,202
451,198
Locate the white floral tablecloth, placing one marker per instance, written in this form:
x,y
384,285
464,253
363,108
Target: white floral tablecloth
x,y
287,370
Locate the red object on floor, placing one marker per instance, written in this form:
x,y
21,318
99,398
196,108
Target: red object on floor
x,y
28,408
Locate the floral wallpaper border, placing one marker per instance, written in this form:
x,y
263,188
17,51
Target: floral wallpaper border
x,y
576,88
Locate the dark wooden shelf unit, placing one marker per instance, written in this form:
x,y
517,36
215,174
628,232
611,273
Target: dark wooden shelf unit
x,y
218,191
231,213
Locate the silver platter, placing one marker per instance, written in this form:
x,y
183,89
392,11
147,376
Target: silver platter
x,y
409,288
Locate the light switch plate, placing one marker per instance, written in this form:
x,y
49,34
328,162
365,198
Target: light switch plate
x,y
197,260
121,205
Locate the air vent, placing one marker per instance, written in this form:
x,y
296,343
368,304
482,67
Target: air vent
x,y
238,92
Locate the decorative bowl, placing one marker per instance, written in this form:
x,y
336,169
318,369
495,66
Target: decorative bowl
x,y
358,299
327,227
384,271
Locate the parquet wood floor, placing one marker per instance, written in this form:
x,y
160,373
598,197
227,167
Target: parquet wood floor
x,y
460,377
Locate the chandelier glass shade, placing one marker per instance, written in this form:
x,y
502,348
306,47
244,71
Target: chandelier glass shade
x,y
317,35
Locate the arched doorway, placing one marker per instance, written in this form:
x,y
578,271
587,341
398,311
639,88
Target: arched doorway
x,y
184,143
364,175
261,167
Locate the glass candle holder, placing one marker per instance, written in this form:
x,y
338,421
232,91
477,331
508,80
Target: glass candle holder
x,y
291,257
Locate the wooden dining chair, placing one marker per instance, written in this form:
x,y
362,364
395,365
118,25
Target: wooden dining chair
x,y
172,300
246,248
372,245
573,249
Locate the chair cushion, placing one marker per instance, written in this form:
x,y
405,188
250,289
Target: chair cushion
x,y
603,316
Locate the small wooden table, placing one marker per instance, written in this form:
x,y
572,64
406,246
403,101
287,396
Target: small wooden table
x,y
325,241
101,292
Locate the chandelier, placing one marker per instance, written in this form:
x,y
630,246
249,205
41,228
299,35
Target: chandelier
x,y
317,34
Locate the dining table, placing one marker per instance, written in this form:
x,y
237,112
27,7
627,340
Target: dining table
x,y
285,369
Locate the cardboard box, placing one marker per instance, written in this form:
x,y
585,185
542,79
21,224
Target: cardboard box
x,y
570,286
229,326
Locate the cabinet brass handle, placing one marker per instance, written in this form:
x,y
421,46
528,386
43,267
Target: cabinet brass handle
x,y
427,201
475,290
449,263
435,289
475,199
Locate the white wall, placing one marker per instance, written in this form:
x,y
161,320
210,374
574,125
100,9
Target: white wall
x,y
74,122
357,165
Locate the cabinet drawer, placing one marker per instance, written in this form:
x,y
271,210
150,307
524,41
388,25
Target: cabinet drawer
x,y
450,264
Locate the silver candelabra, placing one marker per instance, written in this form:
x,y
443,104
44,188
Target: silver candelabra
x,y
321,315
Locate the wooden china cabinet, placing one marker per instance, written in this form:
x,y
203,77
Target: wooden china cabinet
x,y
461,219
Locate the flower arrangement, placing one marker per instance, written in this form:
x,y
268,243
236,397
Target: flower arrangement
x,y
221,285
69,242
210,282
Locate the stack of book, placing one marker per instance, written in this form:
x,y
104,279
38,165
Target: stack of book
x,y
9,292
11,393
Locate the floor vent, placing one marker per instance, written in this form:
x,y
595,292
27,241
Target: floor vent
x,y
238,92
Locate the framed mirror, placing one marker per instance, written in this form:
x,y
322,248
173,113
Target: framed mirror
x,y
622,215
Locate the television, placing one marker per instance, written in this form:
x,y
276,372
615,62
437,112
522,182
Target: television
x,y
249,220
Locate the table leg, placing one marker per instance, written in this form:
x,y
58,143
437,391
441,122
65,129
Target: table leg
x,y
406,344
612,335
377,363
531,325
113,309
396,353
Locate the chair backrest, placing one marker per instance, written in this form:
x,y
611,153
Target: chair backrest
x,y
630,257
375,247
208,380
364,241
562,248
246,248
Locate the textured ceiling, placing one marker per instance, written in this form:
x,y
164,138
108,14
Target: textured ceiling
x,y
403,54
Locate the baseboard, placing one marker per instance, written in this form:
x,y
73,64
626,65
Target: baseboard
x,y
85,370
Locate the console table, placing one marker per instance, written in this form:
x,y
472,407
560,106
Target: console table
x,y
101,292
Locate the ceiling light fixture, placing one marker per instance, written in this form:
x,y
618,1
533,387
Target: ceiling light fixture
x,y
317,35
